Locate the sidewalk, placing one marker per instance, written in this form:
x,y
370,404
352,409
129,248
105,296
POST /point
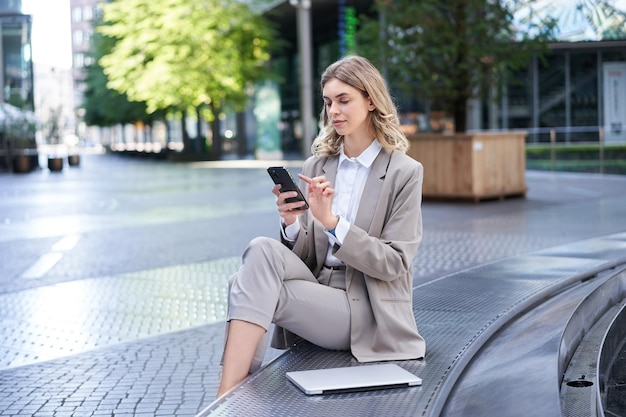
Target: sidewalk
x,y
113,274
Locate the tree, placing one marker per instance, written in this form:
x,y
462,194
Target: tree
x,y
104,106
196,56
449,50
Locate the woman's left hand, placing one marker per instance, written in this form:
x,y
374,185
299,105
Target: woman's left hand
x,y
320,197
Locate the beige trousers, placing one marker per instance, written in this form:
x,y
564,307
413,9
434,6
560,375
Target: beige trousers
x,y
273,285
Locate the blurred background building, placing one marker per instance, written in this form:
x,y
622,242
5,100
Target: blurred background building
x,y
16,71
581,89
83,13
577,93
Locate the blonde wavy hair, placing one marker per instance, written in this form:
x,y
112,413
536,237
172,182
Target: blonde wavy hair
x,y
359,73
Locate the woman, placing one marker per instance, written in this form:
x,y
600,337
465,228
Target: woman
x,y
341,277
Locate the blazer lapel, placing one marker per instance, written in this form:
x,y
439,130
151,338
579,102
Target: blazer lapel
x,y
369,199
371,192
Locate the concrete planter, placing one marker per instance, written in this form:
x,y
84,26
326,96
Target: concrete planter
x,y
55,164
474,166
22,164
24,160
73,160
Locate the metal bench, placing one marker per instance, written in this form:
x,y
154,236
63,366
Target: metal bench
x,y
457,315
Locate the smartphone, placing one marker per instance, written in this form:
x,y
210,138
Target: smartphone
x,y
282,176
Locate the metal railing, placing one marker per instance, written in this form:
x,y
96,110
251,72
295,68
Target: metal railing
x,y
576,148
569,137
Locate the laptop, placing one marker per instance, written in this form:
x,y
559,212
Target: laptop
x,y
353,378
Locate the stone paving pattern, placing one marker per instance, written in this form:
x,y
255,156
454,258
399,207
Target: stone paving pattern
x,y
113,274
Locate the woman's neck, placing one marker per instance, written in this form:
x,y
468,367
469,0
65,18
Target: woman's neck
x,y
354,147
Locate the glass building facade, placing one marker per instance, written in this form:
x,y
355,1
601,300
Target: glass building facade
x,y
576,94
16,68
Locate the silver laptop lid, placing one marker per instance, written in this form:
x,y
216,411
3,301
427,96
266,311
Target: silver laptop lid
x,y
353,378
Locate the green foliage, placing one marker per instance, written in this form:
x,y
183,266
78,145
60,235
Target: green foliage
x,y
18,101
448,51
104,106
576,152
19,127
185,54
609,159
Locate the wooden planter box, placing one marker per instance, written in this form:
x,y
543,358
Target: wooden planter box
x,y
475,166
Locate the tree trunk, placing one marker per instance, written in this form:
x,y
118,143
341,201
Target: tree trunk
x,y
200,138
186,140
216,138
242,139
168,134
460,114
462,79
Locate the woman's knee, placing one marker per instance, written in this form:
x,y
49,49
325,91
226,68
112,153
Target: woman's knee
x,y
263,242
262,246
232,279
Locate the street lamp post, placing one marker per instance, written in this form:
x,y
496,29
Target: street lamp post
x,y
306,80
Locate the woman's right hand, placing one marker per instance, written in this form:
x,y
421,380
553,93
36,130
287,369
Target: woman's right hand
x,y
288,211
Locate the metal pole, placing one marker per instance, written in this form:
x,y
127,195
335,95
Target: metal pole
x,y
601,149
535,95
2,98
568,97
306,78
552,150
382,18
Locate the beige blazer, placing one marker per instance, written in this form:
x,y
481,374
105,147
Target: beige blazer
x,y
378,252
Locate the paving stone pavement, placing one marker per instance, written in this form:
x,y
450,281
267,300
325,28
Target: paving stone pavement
x,y
113,274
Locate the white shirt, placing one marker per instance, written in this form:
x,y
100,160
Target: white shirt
x,y
349,185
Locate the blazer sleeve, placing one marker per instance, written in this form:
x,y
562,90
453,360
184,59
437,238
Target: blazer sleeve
x,y
304,246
